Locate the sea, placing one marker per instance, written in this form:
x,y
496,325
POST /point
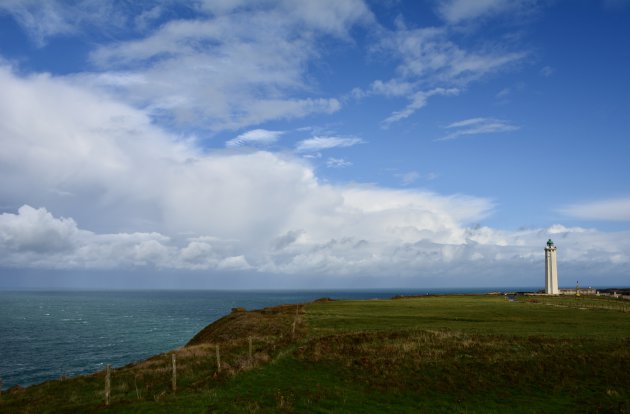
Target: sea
x,y
46,335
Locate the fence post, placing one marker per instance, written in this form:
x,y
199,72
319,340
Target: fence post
x,y
295,320
251,360
107,383
174,379
218,359
135,384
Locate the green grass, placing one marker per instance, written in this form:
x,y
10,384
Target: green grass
x,y
468,354
476,314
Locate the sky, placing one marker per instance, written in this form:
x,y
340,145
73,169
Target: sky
x,y
313,144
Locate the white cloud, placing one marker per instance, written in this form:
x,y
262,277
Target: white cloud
x,y
393,87
428,57
477,126
409,177
313,156
504,257
147,17
418,100
458,11
34,238
337,163
255,136
115,191
234,263
455,11
231,67
617,209
504,93
105,165
42,20
36,230
238,64
321,143
392,248
64,145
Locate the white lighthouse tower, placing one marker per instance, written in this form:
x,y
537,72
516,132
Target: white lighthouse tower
x,y
551,269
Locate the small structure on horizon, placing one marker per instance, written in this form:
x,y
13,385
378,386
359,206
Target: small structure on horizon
x,y
551,269
580,291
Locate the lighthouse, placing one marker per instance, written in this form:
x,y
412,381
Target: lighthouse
x,y
551,269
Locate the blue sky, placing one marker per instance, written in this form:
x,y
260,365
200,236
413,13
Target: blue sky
x,y
313,144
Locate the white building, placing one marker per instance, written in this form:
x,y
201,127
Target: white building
x,y
551,269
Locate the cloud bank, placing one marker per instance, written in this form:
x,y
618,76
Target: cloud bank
x,y
90,183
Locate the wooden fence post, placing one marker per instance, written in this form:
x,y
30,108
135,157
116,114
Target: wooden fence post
x,y
295,320
135,384
107,383
251,360
218,359
174,379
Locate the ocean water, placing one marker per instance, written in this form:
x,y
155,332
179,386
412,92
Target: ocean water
x,y
47,334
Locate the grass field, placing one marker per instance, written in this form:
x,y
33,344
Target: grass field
x,y
487,314
468,354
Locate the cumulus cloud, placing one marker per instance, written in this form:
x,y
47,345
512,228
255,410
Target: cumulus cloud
x,y
90,183
477,126
64,145
35,238
105,165
36,230
26,241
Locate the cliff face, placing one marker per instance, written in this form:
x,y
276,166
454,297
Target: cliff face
x,y
275,321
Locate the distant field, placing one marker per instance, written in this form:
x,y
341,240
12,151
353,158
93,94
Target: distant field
x,y
464,354
557,316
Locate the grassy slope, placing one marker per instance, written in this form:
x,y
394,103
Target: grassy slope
x,y
433,354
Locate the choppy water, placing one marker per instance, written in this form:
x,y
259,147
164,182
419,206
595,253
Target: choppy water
x,y
44,335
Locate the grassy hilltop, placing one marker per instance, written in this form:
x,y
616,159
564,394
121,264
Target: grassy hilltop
x,y
429,354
